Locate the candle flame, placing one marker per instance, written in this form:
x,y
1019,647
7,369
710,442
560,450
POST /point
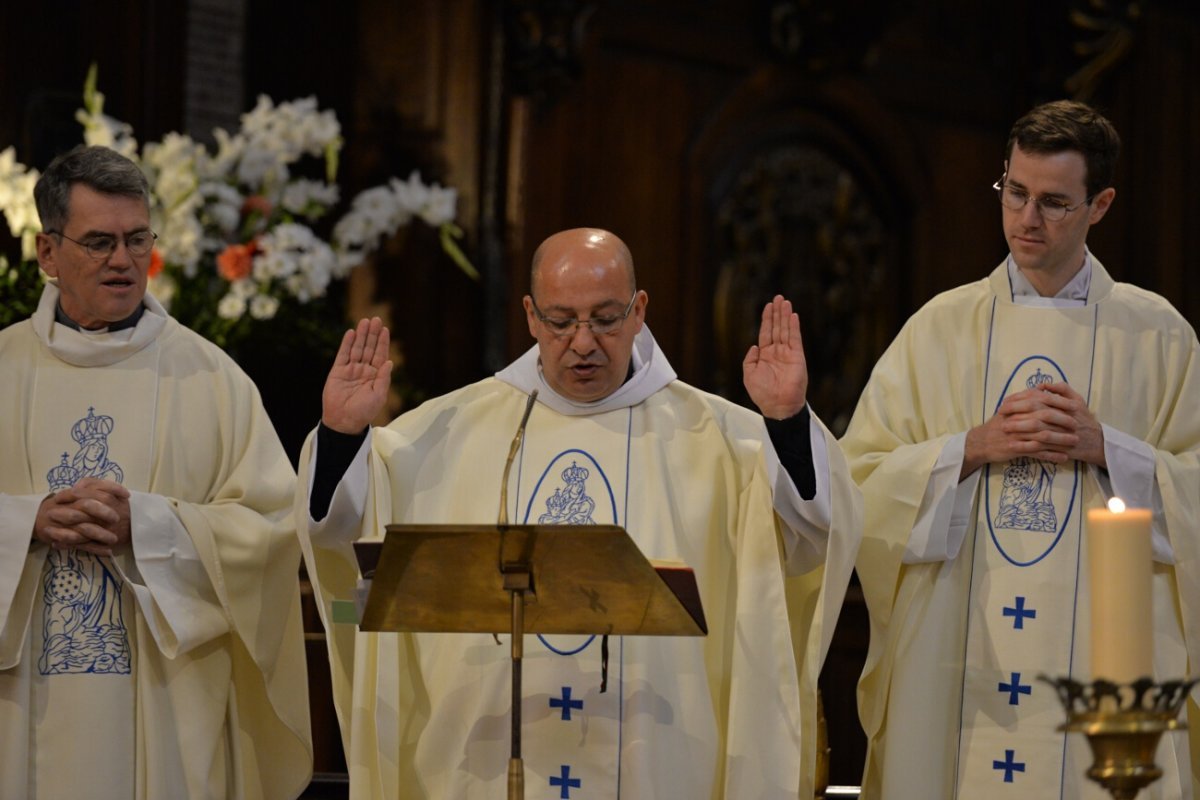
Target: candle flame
x,y
1116,505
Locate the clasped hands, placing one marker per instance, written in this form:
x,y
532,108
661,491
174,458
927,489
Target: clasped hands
x,y
1050,423
92,515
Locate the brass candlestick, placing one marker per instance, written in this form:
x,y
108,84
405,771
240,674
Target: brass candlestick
x,y
1123,723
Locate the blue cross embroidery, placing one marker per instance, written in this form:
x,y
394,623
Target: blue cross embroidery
x,y
1008,765
1019,613
566,704
1015,688
568,783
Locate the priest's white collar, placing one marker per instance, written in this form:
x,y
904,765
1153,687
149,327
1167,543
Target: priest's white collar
x,y
83,348
1075,293
651,372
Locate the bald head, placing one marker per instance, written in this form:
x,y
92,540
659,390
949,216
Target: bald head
x,y
585,311
595,248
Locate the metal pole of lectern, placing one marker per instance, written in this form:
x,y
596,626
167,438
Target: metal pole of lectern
x,y
518,579
517,582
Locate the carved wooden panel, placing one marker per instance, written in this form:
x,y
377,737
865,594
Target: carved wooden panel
x,y
795,220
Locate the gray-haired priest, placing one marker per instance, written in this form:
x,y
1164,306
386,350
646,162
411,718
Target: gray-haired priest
x,y
150,639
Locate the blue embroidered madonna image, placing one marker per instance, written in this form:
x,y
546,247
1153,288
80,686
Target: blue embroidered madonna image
x,y
570,505
1025,501
83,627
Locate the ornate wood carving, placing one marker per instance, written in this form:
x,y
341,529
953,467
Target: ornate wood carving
x,y
1110,28
827,36
544,40
796,220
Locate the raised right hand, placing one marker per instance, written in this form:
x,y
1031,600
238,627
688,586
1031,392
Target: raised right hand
x,y
357,387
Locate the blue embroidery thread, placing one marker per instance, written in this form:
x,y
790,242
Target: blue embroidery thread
x,y
1019,613
570,504
1033,475
1026,503
565,782
1009,765
567,704
82,622
1015,689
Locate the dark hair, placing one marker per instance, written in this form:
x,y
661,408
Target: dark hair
x,y
99,168
1070,125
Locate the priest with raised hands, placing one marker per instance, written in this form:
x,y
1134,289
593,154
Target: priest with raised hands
x,y
761,506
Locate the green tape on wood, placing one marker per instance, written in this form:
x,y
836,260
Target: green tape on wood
x,y
345,612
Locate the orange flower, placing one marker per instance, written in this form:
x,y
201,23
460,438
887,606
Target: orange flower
x,y
156,263
234,262
256,203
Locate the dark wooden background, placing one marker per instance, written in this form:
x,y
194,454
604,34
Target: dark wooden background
x,y
840,151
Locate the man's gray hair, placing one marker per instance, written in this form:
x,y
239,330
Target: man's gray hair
x,y
100,168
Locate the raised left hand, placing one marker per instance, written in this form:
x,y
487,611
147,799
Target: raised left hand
x,y
774,370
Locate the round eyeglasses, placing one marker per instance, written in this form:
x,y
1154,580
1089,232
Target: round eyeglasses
x,y
1050,209
565,327
102,247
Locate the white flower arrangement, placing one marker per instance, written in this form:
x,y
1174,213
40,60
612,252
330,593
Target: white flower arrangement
x,y
16,201
237,229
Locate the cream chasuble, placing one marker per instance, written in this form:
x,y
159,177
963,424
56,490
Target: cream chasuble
x,y
727,715
82,641
174,668
1023,616
957,644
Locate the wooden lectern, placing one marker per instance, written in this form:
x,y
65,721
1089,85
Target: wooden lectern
x,y
574,579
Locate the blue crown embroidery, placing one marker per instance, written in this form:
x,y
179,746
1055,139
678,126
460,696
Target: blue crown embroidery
x,y
1037,379
64,476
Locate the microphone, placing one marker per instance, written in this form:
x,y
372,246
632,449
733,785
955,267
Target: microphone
x,y
512,454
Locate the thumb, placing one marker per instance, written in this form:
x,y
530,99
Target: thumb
x,y
383,377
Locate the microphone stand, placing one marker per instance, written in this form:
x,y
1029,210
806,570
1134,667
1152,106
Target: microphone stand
x,y
518,579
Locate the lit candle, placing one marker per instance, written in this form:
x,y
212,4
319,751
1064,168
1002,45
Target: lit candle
x,y
1122,619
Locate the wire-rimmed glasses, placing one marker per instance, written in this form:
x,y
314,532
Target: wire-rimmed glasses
x,y
102,247
1050,209
599,326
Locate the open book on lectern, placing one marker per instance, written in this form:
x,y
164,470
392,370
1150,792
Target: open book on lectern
x,y
585,579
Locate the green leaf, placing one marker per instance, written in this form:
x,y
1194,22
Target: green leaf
x,y
448,232
331,159
90,95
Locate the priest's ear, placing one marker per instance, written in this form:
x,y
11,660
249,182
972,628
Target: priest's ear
x,y
1100,204
47,254
531,316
